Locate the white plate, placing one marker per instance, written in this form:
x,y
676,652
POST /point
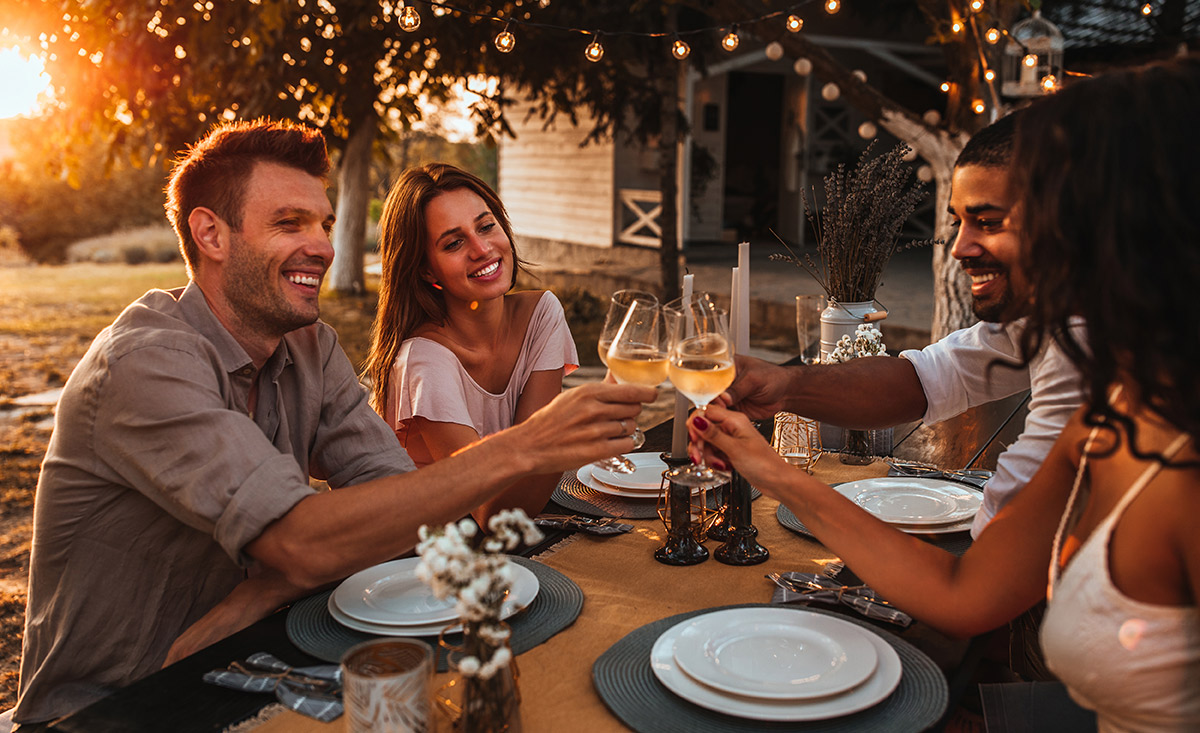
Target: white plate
x,y
390,594
876,687
775,653
647,476
913,501
587,479
386,630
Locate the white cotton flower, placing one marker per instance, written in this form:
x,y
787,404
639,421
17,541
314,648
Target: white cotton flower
x,y
469,666
494,634
493,545
499,660
467,528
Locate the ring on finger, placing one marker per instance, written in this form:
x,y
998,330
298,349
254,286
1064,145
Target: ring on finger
x,y
624,427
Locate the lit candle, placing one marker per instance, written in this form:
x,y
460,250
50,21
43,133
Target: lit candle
x,y
679,427
742,344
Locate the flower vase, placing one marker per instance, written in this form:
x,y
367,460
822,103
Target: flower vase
x,y
838,320
491,700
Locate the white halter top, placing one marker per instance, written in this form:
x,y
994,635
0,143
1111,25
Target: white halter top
x,y
1136,664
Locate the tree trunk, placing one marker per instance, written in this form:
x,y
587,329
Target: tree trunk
x,y
668,164
354,198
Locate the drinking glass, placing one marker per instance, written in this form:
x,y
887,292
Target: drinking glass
x,y
808,325
618,307
700,365
387,686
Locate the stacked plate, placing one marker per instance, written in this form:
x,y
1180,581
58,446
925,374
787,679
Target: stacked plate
x,y
390,600
775,664
643,483
916,505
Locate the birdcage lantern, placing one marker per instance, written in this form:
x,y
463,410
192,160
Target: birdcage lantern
x,y
1032,58
797,439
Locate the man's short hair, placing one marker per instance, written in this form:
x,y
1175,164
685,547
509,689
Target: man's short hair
x,y
991,147
213,172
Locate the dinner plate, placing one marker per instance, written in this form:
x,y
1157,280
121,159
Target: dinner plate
x,y
647,474
388,630
913,501
874,689
391,594
775,653
587,479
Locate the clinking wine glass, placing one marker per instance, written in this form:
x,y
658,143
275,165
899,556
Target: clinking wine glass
x,y
618,307
700,365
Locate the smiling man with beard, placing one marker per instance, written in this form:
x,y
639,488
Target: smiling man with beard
x,y
954,374
174,504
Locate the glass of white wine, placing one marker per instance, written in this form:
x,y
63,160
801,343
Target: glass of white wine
x,y
700,365
618,307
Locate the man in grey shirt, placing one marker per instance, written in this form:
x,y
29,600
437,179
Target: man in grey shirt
x,y
174,504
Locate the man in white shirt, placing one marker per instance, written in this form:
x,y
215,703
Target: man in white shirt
x,y
955,373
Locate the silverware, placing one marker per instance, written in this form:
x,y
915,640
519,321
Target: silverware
x,y
974,478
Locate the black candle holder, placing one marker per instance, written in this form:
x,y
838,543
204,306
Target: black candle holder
x,y
683,518
740,548
719,529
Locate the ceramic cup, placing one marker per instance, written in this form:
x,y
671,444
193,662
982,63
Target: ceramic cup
x,y
387,686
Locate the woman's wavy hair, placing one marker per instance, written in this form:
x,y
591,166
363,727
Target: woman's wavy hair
x,y
1109,174
406,300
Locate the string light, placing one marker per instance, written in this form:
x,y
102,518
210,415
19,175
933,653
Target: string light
x,y
594,51
505,41
978,106
1147,9
832,6
1030,60
795,23
410,19
802,67
730,41
830,92
992,35
774,50
945,86
989,75
680,49
956,27
1049,83
976,5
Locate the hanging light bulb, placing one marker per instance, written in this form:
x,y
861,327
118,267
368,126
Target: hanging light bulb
x,y
505,41
860,75
1147,9
680,49
594,51
992,35
830,92
956,27
803,67
730,41
867,130
774,50
1049,83
945,86
976,5
410,19
1030,60
795,23
989,75
978,107
832,6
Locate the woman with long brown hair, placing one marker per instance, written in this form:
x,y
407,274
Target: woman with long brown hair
x,y
455,354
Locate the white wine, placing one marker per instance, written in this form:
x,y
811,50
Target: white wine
x,y
602,348
645,366
701,378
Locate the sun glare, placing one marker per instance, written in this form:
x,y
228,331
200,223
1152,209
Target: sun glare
x,y
25,80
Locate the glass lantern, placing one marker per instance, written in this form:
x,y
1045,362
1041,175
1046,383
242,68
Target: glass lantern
x,y
797,439
1034,52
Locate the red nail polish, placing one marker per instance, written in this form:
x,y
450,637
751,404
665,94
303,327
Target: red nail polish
x,y
700,423
720,465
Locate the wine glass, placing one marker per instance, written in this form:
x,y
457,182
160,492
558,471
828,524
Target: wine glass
x,y
700,365
808,325
618,307
638,353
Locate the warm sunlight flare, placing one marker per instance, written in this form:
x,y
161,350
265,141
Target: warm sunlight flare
x,y
24,80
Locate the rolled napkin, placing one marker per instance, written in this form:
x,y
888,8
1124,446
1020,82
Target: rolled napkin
x,y
590,525
314,691
804,587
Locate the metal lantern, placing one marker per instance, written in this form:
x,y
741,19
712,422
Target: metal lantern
x,y
1034,52
797,439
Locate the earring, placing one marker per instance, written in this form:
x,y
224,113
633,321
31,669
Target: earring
x,y
434,285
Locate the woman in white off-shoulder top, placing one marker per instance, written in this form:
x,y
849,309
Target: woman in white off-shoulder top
x,y
1107,178
455,355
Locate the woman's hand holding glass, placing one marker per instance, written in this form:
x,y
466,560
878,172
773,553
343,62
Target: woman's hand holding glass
x,y
700,365
622,303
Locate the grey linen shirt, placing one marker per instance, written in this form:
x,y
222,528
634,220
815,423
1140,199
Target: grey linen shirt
x,y
156,478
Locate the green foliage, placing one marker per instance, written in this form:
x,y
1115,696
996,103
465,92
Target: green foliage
x,y
47,208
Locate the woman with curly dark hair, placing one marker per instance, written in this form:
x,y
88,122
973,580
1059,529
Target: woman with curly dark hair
x,y
455,354
1107,170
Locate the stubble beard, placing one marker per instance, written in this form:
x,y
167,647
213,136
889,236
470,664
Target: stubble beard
x,y
253,289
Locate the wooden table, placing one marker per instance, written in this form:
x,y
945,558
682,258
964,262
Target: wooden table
x,y
624,588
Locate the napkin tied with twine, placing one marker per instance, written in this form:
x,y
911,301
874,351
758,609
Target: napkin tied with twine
x,y
805,587
315,692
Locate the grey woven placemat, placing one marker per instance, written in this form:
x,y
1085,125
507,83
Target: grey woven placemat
x,y
556,606
956,542
627,685
573,495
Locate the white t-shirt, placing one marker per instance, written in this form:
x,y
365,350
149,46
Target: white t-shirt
x,y
955,376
